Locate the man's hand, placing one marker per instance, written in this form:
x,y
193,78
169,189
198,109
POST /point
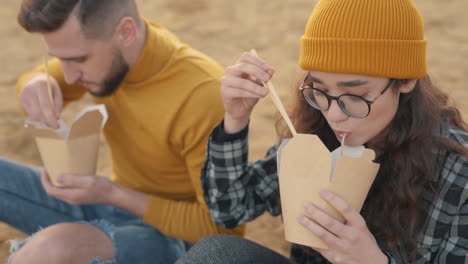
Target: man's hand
x,y
80,189
36,102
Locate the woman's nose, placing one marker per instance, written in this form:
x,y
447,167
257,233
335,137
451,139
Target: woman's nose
x,y
335,113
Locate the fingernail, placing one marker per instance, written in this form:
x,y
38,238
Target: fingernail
x,y
309,206
265,77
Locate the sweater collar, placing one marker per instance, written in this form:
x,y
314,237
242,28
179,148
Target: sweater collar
x,y
154,56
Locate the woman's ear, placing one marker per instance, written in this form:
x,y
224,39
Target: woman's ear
x,y
408,87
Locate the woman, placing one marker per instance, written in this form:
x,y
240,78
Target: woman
x,y
366,80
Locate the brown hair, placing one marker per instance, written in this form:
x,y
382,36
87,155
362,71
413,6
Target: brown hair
x,y
393,209
97,17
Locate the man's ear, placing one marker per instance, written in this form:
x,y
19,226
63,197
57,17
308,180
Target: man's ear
x,y
408,87
126,32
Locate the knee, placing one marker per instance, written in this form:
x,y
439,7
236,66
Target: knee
x,y
66,243
217,241
213,249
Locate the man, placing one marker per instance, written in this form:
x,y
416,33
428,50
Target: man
x,y
163,101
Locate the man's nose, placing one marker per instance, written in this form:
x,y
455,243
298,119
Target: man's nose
x,y
70,72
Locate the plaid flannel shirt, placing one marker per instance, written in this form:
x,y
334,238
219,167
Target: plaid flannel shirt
x,y
237,192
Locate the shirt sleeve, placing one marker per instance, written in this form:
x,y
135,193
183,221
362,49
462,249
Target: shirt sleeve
x,y
237,191
444,238
453,246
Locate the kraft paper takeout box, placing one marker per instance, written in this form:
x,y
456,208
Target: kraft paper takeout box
x,y
73,150
305,166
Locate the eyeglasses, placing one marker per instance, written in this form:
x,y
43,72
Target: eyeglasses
x,y
351,104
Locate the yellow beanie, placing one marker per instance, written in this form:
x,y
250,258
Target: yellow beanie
x,y
370,37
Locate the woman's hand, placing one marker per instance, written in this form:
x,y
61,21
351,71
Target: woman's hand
x,y
241,88
348,243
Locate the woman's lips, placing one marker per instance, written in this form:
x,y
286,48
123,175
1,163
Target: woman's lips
x,y
341,134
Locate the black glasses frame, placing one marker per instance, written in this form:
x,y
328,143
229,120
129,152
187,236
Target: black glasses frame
x,y
302,88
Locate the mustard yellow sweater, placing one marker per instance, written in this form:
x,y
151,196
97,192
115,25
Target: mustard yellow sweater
x,y
159,122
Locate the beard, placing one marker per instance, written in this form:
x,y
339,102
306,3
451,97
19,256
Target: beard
x,y
117,73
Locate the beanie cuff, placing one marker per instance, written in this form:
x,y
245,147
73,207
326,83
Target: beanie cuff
x,y
399,59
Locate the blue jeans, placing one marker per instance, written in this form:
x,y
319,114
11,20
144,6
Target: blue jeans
x,y
25,205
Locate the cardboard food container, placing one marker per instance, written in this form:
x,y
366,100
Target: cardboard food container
x,y
73,150
305,166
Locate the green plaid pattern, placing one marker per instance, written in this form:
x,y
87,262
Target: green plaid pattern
x,y
237,191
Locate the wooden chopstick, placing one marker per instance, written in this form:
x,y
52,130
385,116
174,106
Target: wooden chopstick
x,y
49,87
277,101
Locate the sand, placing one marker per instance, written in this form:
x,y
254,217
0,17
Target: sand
x,y
225,29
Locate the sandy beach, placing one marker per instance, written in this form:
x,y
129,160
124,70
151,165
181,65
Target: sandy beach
x,y
223,30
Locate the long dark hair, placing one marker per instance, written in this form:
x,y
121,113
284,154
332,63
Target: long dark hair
x,y
393,210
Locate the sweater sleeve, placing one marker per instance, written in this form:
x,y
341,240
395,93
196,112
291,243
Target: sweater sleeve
x,y
70,92
191,221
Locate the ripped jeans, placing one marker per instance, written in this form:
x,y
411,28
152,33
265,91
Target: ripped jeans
x,y
25,205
